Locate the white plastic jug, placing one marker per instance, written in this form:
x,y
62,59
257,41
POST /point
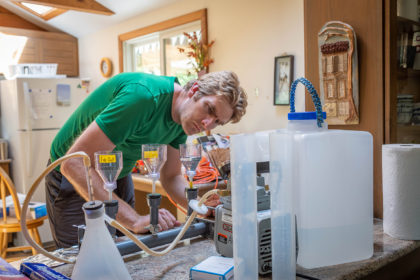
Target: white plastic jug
x,y
99,257
331,172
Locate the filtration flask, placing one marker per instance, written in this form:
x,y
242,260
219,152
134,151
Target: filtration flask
x,y
99,257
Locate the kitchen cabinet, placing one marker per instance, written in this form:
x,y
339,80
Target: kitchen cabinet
x,y
47,47
402,82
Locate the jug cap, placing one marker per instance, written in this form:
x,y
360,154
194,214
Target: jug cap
x,y
304,116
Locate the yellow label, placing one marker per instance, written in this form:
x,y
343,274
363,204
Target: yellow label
x,y
107,158
151,154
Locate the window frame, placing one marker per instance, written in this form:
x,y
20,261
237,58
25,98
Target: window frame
x,y
200,15
160,37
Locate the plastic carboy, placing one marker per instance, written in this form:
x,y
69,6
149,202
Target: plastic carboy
x,y
99,257
331,173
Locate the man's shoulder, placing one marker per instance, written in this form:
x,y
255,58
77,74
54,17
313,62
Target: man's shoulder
x,y
142,78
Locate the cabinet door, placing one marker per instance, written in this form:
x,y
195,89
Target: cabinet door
x,y
62,51
402,79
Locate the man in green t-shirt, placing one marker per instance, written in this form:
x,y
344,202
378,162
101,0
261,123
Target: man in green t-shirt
x,y
125,112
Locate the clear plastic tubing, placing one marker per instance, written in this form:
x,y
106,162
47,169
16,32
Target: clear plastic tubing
x,y
283,241
244,206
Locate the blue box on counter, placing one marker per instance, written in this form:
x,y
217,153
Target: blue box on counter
x,y
213,268
40,271
7,211
8,272
37,209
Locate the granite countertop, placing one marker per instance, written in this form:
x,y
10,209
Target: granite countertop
x,y
386,250
176,264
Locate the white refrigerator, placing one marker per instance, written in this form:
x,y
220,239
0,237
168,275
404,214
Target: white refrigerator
x,y
32,112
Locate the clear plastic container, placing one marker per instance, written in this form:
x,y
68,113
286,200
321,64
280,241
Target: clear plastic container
x,y
33,69
244,206
283,242
99,257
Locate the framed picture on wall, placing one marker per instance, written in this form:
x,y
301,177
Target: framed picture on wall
x,y
283,78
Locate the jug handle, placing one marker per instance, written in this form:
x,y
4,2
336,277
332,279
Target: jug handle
x,y
314,95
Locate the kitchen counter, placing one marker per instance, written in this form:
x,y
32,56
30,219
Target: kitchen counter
x,y
175,265
387,251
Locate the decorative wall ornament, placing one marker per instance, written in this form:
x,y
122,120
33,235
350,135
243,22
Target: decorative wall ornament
x,y
338,73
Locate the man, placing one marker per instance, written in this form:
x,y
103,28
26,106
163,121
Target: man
x,y
125,112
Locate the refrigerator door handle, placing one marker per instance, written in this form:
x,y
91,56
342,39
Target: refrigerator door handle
x,y
28,123
29,108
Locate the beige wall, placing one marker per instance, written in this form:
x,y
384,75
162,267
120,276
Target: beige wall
x,y
248,35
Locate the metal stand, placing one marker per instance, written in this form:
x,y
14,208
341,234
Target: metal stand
x,y
153,200
111,209
191,193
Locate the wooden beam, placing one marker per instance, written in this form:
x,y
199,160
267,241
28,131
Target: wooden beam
x,y
89,6
53,13
9,19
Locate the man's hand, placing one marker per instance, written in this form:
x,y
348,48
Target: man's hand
x,y
212,201
166,221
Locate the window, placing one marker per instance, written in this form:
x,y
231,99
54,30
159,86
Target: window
x,y
158,53
42,11
154,49
343,108
341,88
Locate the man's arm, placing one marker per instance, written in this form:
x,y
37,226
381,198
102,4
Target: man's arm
x,y
171,178
91,140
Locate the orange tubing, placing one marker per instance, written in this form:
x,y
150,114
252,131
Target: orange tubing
x,y
176,205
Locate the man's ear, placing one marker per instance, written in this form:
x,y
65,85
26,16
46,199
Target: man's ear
x,y
193,89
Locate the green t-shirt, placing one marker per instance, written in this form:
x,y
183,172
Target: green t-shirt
x,y
131,109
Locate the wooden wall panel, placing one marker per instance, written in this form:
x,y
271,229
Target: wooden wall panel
x,y
49,47
9,19
366,18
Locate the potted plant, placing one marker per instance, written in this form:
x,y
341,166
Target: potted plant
x,y
199,52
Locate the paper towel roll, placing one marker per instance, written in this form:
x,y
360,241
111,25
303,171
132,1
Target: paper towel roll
x,y
401,190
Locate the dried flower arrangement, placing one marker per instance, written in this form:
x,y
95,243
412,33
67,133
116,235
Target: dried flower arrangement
x,y
198,51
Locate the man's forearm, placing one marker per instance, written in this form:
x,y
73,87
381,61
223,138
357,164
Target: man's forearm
x,y
74,171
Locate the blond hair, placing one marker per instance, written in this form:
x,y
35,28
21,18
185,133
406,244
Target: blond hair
x,y
223,83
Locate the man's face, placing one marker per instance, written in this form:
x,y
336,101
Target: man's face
x,y
205,113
